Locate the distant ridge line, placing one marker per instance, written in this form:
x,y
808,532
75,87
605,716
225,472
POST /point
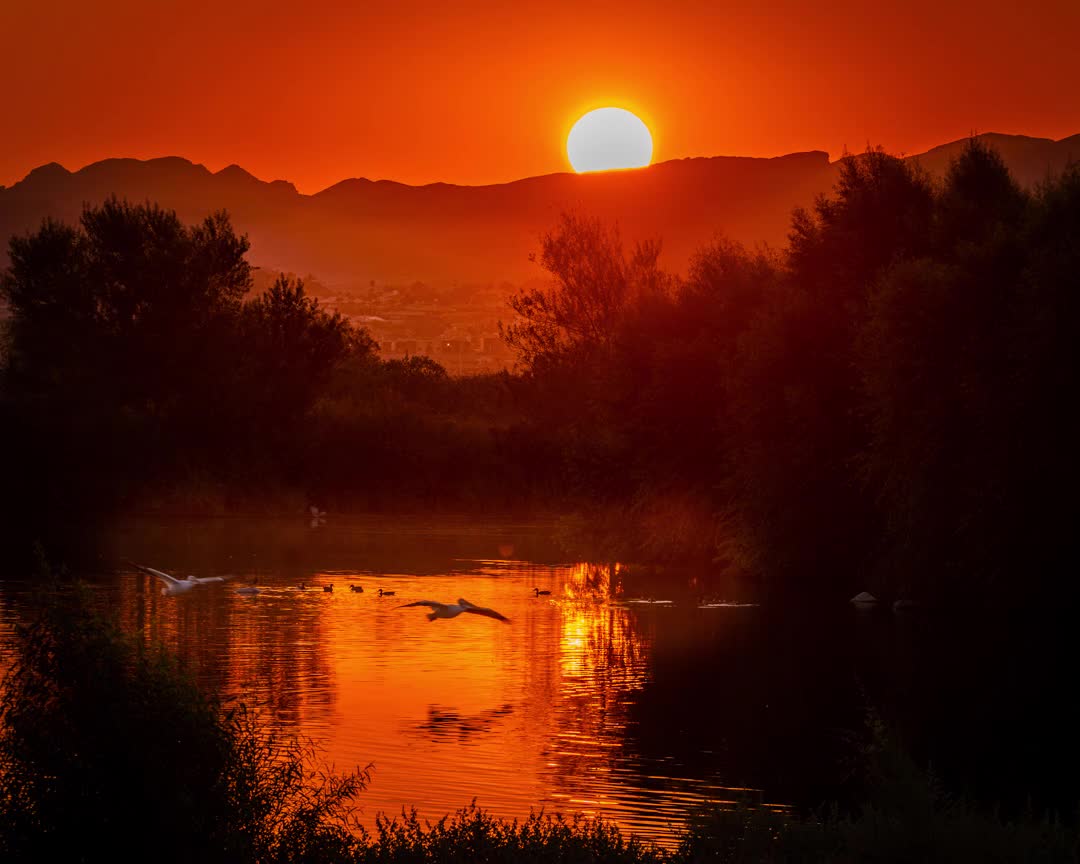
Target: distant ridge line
x,y
359,231
237,170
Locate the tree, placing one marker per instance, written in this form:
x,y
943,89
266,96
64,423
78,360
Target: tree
x,y
594,283
795,426
291,348
966,356
126,309
120,343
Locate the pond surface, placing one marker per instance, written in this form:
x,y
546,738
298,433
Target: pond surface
x,y
585,702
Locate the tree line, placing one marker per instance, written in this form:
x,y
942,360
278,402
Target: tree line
x,y
885,402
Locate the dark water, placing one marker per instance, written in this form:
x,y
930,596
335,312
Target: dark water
x,y
585,702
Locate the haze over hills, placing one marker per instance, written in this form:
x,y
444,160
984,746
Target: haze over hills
x,y
361,230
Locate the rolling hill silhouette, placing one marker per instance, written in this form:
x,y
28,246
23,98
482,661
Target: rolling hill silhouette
x,y
360,230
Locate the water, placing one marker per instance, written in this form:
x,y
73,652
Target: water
x,y
584,703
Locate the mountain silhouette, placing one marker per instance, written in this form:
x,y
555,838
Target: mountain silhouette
x,y
360,230
1029,159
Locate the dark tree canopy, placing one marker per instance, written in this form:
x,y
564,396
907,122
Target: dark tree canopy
x,y
135,330
593,283
127,304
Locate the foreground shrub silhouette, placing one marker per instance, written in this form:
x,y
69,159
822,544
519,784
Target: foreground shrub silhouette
x,y
472,835
110,752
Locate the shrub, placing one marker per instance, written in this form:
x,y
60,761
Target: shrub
x,y
108,751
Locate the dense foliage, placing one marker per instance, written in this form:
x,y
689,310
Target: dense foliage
x,y
885,403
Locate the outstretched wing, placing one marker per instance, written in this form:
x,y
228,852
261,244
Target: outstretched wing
x,y
205,579
164,577
481,610
434,604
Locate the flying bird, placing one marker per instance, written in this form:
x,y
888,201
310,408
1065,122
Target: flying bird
x,y
171,585
452,610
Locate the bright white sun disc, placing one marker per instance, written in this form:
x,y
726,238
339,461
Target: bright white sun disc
x,y
609,138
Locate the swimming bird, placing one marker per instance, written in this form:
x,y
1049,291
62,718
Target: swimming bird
x,y
248,589
540,593
864,600
328,589
357,589
386,593
452,610
716,604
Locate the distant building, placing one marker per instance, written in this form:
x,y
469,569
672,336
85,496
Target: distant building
x,y
492,344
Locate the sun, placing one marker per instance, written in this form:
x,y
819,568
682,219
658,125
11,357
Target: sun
x,y
609,138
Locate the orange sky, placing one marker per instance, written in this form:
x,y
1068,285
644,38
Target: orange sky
x,y
314,92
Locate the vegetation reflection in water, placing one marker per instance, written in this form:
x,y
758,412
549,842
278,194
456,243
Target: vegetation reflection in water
x,y
602,659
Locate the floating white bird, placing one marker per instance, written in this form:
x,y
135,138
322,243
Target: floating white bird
x,y
726,605
452,610
248,589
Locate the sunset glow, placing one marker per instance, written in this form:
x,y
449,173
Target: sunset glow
x,y
381,95
609,138
542,431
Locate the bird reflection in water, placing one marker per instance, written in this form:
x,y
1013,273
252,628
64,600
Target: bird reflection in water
x,y
447,724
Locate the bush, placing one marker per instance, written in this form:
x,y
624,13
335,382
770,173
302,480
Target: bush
x,y
109,751
471,835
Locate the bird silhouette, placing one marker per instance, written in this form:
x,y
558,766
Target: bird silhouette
x,y
452,610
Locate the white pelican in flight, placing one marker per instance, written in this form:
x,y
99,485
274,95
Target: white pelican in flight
x,y
172,585
452,610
